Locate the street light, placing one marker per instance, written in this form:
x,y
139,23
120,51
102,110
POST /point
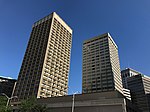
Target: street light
x,y
73,98
8,99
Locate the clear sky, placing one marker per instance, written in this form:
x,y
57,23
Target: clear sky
x,y
128,21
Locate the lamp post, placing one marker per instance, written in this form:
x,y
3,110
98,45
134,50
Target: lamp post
x,y
8,99
73,100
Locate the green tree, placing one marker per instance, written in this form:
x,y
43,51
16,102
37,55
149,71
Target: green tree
x,y
31,105
41,108
28,105
3,108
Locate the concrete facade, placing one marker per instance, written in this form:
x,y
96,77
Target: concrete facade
x,y
101,67
111,101
93,102
45,67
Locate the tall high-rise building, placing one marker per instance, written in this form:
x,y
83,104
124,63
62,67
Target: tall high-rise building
x,y
101,67
139,85
128,72
45,67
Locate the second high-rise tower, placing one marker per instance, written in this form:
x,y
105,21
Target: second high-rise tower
x,y
101,67
45,67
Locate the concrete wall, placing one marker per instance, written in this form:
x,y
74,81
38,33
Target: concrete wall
x,y
95,102
117,108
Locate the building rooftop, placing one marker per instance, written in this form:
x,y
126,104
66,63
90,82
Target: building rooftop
x,y
100,36
130,69
7,78
56,16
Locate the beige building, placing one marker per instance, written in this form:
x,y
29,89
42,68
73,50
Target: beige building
x,y
101,67
45,67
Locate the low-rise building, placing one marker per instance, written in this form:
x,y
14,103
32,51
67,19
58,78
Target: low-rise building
x,y
139,86
128,72
91,102
7,85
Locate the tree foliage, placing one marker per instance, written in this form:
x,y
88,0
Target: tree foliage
x,y
31,105
41,108
3,108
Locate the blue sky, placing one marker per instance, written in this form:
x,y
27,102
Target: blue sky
x,y
128,21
